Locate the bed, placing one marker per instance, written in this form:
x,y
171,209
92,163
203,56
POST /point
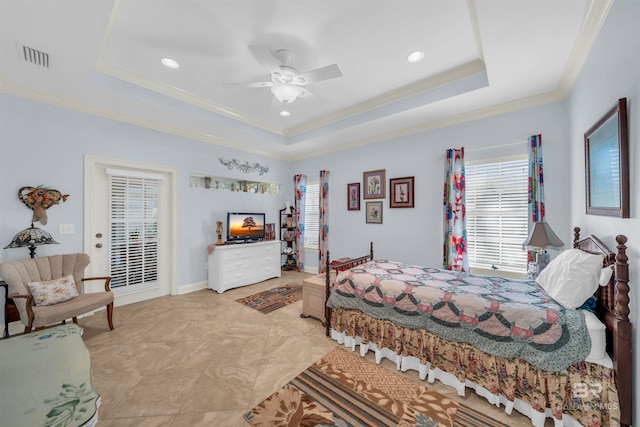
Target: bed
x,y
544,370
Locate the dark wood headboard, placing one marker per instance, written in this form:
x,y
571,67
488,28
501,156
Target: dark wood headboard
x,y
613,309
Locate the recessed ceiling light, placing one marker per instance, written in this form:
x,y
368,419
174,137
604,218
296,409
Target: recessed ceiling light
x,y
416,56
170,63
285,113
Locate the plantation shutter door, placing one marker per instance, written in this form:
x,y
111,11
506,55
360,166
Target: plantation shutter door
x,y
312,216
497,195
134,207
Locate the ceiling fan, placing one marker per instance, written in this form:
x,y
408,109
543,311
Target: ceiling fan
x,y
286,82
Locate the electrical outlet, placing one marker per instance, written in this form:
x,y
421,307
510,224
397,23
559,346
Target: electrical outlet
x,y
66,229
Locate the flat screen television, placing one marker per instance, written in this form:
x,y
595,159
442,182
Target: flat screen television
x,y
245,227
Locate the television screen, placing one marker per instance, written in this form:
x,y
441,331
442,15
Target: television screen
x,y
245,226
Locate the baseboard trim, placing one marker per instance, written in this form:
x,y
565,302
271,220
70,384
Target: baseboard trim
x,y
192,287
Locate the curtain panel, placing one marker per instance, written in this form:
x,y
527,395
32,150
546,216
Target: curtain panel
x,y
536,187
300,188
323,237
455,231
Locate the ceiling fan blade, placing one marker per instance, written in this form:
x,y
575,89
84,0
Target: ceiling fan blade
x,y
249,84
265,57
324,73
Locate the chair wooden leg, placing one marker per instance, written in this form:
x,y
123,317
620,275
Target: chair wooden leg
x,y
75,320
110,315
27,329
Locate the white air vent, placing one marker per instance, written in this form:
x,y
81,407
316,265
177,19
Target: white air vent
x,y
35,56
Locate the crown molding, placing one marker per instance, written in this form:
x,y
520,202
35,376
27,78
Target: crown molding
x,y
70,104
594,19
504,108
441,79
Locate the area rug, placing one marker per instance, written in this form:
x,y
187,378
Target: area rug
x,y
343,389
273,299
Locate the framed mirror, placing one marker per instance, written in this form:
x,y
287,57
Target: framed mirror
x,y
606,146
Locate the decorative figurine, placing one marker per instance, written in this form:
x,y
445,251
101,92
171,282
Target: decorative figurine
x,y
219,231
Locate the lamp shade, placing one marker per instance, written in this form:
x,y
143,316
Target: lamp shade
x,y
285,92
542,236
31,237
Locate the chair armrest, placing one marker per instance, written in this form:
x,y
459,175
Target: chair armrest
x,y
29,304
107,281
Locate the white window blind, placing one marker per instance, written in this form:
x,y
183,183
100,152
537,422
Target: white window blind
x,y
312,215
497,196
134,206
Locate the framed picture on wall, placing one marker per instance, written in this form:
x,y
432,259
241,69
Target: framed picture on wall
x,y
401,192
353,196
374,212
373,183
606,146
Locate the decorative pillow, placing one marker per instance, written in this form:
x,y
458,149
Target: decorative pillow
x,y
605,275
572,277
55,291
597,332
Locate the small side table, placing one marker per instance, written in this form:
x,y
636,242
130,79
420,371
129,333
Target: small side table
x,y
10,311
313,297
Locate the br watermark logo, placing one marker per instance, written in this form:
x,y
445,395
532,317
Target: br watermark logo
x,y
587,392
584,390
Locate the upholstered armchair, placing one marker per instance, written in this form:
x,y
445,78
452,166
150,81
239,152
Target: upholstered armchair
x,y
49,290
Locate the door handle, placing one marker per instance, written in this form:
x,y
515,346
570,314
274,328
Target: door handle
x,y
98,245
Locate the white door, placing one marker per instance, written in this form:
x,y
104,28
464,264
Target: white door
x,y
129,224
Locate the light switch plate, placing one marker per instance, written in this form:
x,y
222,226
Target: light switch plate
x,y
66,229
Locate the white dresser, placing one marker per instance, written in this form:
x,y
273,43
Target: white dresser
x,y
231,266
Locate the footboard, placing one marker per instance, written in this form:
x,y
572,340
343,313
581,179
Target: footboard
x,y
340,266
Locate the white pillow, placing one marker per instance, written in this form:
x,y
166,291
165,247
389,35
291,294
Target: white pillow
x,y
51,292
597,332
605,276
572,277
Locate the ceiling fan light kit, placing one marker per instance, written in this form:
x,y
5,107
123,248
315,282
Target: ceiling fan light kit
x,y
286,92
286,81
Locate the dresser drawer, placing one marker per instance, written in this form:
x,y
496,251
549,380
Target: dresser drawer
x,y
237,264
233,277
237,252
265,250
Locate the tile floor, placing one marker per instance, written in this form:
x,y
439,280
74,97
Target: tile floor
x,y
202,359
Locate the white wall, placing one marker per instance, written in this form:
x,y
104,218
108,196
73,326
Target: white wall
x,y
42,144
612,71
415,235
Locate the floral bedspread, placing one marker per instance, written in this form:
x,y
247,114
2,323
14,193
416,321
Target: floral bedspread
x,y
503,317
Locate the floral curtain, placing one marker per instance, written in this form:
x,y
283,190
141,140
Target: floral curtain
x,y
536,186
455,229
300,188
323,238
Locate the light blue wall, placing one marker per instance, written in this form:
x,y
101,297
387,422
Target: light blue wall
x,y
612,71
415,235
42,144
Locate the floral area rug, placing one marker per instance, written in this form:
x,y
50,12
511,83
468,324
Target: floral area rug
x,y
343,389
273,299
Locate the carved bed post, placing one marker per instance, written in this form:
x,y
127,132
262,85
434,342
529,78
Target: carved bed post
x,y
623,331
576,236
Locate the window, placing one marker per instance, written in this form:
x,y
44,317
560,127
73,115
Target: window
x,y
497,214
312,215
134,203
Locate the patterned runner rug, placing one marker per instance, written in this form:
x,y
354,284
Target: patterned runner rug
x,y
273,299
343,389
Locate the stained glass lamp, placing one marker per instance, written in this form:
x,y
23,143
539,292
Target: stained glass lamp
x,y
31,238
